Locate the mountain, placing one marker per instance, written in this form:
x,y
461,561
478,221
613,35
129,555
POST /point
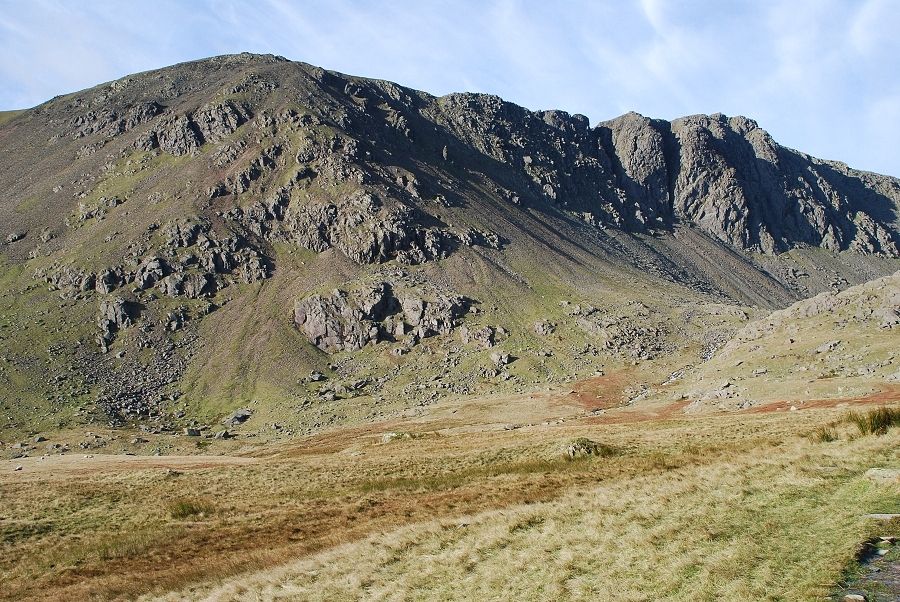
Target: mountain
x,y
250,232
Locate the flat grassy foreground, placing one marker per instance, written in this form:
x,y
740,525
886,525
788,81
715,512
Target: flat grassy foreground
x,y
727,507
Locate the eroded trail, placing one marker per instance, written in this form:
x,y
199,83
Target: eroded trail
x,y
73,465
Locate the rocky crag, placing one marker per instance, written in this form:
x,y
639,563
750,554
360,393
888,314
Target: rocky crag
x,y
365,213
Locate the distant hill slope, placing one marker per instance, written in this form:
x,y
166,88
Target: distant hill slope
x,y
202,237
833,345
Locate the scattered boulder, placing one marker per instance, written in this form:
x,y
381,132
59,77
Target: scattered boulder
x,y
544,328
827,347
238,417
482,336
500,358
583,448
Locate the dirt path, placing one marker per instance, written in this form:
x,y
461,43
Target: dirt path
x,y
65,466
889,393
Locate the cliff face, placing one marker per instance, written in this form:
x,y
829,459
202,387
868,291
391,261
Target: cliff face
x,y
728,177
166,195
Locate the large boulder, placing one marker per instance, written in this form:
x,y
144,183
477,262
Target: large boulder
x,y
347,321
114,315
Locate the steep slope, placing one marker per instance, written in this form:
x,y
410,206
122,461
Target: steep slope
x,y
213,233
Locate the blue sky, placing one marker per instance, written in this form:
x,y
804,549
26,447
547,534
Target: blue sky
x,y
822,76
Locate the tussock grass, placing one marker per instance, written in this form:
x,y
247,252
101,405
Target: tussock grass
x,y
121,546
875,422
185,508
824,434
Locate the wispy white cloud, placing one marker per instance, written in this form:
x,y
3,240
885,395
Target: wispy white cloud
x,y
819,74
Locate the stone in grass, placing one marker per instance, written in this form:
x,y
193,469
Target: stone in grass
x,y
583,447
884,476
500,358
855,598
395,436
192,432
238,417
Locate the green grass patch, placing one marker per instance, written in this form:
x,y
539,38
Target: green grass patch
x,y
6,116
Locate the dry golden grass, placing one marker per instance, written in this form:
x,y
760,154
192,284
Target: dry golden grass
x,y
741,506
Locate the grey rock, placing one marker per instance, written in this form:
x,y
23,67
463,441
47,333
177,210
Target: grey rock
x,y
481,336
365,230
500,358
347,321
108,280
583,448
884,476
114,314
149,272
334,323
544,328
192,285
827,347
239,416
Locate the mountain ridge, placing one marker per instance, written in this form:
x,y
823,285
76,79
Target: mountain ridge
x,y
739,213
208,234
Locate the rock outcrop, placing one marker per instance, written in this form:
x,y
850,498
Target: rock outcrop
x,y
114,315
348,321
729,178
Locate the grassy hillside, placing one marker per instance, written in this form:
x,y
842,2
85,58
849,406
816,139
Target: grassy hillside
x,y
8,115
834,345
457,506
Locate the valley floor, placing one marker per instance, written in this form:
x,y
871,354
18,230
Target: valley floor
x,y
465,504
